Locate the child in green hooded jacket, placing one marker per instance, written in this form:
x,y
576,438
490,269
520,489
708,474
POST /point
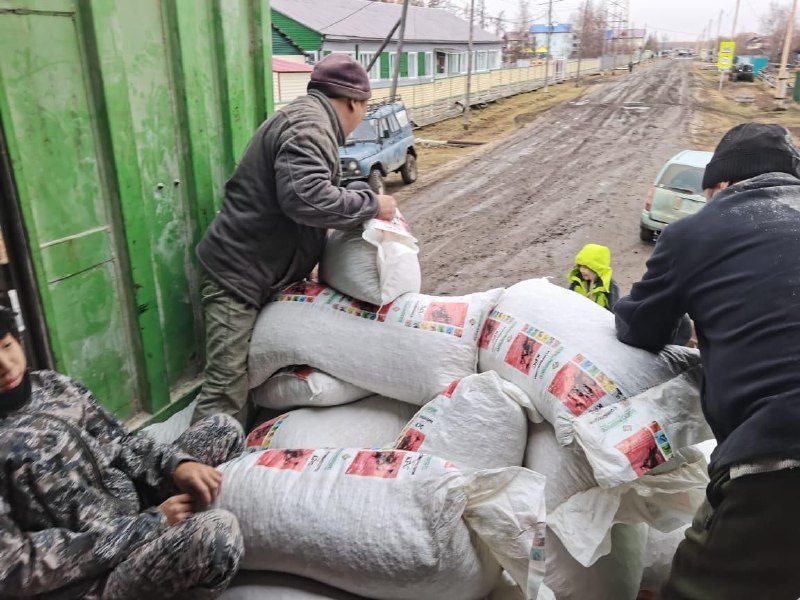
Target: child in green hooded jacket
x,y
591,276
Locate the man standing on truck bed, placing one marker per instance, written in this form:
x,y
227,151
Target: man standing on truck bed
x,y
279,204
734,268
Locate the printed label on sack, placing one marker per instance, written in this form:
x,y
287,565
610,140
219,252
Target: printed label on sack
x,y
261,436
412,436
397,225
427,313
646,449
538,545
383,464
572,379
302,291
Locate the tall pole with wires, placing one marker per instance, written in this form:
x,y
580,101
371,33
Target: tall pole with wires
x,y
783,75
549,41
469,63
581,41
400,36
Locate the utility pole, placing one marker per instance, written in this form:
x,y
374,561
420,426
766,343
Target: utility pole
x,y
735,19
401,35
469,63
708,35
784,72
719,27
549,40
582,40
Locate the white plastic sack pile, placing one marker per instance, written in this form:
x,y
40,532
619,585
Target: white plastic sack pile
x,y
369,423
410,349
625,440
386,524
375,264
478,423
263,585
301,385
615,576
562,350
582,514
170,430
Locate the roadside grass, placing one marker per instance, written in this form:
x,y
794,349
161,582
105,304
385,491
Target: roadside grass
x,y
716,112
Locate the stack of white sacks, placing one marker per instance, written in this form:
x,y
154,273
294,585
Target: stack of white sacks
x,y
497,445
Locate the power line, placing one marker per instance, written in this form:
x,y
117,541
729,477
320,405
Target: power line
x,y
346,16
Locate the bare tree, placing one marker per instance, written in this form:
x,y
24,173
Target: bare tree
x,y
590,23
773,24
482,16
524,20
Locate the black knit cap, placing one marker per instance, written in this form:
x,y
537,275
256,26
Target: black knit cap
x,y
339,76
752,149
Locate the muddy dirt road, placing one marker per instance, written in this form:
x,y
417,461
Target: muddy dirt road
x,y
579,173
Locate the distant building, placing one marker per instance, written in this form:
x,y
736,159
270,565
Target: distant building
x,y
562,40
629,39
435,45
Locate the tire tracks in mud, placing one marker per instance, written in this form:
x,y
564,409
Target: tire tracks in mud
x,y
578,173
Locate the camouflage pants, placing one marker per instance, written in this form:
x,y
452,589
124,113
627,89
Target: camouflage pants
x,y
198,557
194,559
213,440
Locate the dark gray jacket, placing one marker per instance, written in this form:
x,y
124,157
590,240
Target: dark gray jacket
x,y
280,201
734,268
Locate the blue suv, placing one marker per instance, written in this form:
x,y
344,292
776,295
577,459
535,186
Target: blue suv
x,y
383,143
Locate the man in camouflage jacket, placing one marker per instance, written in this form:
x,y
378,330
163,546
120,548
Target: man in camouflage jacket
x,y
88,510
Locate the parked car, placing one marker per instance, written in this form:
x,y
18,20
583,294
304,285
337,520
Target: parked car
x,y
742,72
383,143
676,193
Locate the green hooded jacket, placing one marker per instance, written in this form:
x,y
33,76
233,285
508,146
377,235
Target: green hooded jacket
x,y
598,259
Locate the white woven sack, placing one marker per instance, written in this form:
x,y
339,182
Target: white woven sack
x,y
478,423
301,385
170,430
615,576
562,350
265,585
582,514
625,440
410,349
385,524
369,423
658,554
375,264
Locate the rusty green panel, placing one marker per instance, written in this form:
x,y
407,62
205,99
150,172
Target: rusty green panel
x,y
56,149
265,21
148,145
123,121
210,146
244,67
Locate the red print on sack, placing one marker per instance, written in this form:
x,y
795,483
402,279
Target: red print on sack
x,y
642,451
488,331
304,288
522,352
412,439
376,463
447,313
575,389
256,437
286,460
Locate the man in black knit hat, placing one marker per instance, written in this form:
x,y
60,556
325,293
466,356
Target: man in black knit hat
x,y
734,267
271,230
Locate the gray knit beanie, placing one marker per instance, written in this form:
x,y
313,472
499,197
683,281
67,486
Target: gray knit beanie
x,y
339,76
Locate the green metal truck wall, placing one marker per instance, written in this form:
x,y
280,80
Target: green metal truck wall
x,y
123,121
307,39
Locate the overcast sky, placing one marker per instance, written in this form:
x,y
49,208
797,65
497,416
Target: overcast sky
x,y
678,19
